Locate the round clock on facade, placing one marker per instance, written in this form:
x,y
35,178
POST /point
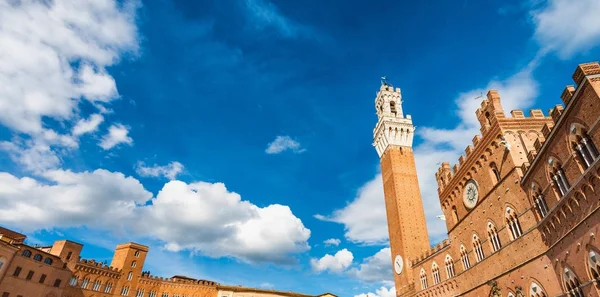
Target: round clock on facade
x,y
398,264
470,194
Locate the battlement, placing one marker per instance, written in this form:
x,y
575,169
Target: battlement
x,y
98,265
147,277
432,251
489,114
133,245
389,88
567,94
584,70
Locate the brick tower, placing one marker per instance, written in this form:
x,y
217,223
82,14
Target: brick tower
x,y
392,138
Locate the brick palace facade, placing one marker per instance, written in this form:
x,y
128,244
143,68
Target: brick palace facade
x,y
521,205
59,271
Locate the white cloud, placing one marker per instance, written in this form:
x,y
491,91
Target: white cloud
x,y
336,263
332,242
169,171
201,217
35,157
567,26
375,269
267,285
100,198
42,41
116,135
364,218
381,292
84,126
265,14
284,143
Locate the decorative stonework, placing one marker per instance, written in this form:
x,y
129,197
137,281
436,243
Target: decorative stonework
x,y
392,127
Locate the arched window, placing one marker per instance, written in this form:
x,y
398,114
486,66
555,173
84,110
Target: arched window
x,y
48,261
536,291
133,264
139,293
454,214
26,253
464,255
510,295
539,200
572,283
130,275
423,277
494,173
594,263
513,223
557,174
435,271
125,291
393,107
583,145
477,248
493,235
73,281
449,266
37,257
97,285
85,283
108,288
136,254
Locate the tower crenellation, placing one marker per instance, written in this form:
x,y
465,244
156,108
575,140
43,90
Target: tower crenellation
x,y
393,127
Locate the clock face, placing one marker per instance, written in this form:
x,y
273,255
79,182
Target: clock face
x,y
398,264
470,194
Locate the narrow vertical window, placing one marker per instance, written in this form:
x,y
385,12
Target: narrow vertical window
x,y
423,277
454,214
465,257
494,173
449,266
477,248
594,264
435,271
85,283
559,179
493,235
513,223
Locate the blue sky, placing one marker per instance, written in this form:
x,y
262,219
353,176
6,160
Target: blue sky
x,y
234,137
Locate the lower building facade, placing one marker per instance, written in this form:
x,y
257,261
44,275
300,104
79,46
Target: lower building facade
x,y
59,271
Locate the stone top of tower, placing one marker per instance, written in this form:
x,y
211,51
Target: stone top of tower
x,y
393,128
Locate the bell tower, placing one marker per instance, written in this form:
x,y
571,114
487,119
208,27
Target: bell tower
x,y
393,138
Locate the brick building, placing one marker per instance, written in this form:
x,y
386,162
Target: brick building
x,y
521,205
59,271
